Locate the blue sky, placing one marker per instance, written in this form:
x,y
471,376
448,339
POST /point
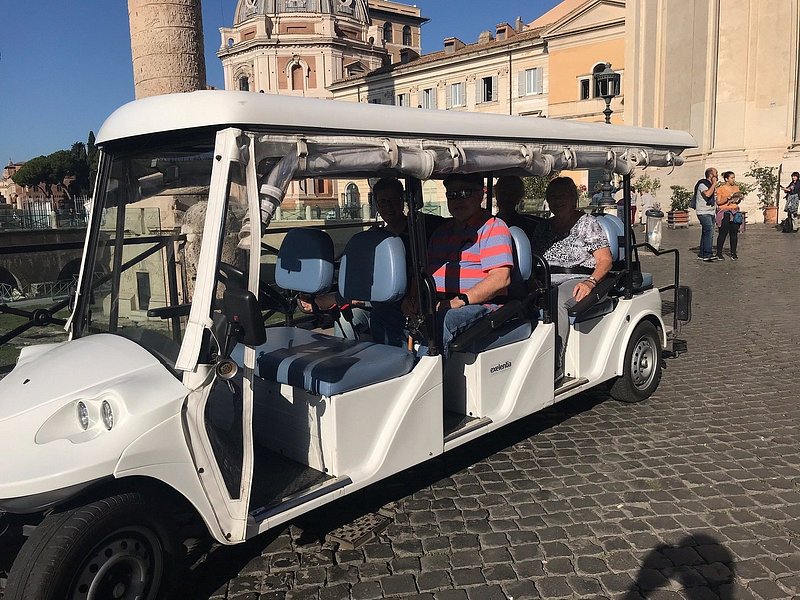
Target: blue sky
x,y
65,66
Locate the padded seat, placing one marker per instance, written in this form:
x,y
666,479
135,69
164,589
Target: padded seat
x,y
614,229
326,365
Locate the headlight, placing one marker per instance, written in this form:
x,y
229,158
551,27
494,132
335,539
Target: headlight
x,y
83,416
108,415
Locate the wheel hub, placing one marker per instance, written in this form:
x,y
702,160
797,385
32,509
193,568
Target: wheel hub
x,y
124,566
642,363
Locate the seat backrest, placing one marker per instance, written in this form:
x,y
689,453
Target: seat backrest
x,y
614,229
305,261
523,256
373,267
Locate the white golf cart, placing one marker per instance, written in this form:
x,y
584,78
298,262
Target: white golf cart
x,y
171,393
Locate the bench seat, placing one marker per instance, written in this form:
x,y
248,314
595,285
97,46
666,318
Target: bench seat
x,y
326,365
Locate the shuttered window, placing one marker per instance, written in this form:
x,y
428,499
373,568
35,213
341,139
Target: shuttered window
x,y
427,98
531,82
456,96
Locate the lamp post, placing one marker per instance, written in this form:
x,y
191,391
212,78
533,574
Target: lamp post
x,y
607,82
608,85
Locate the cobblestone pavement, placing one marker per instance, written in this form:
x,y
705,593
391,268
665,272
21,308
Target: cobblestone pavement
x,y
693,494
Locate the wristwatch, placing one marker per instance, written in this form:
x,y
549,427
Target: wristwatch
x,y
464,298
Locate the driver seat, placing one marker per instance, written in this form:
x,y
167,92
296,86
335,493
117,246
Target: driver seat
x,y
373,270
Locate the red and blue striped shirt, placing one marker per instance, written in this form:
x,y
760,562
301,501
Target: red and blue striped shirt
x,y
461,256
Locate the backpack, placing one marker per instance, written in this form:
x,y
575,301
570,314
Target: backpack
x,y
787,225
737,218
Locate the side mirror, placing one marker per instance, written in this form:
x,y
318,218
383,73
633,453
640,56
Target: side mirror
x,y
245,323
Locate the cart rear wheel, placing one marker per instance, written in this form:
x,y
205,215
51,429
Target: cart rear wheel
x,y
114,548
642,368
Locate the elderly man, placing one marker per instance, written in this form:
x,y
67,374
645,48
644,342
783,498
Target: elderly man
x,y
470,258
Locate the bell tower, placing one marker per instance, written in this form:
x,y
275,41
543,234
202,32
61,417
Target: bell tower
x,y
167,46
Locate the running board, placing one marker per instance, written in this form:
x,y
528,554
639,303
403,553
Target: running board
x,y
295,500
569,384
468,428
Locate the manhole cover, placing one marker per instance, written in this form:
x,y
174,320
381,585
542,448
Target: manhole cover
x,y
358,532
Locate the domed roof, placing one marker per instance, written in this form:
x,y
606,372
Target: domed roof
x,y
353,9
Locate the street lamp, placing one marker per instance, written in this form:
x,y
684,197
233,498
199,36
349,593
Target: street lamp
x,y
607,82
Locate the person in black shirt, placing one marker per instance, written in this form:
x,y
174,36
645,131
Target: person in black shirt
x,y
509,191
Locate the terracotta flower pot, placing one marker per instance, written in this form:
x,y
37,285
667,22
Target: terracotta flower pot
x,y
677,218
771,214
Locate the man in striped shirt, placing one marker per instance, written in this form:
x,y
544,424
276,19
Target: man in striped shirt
x,y
470,258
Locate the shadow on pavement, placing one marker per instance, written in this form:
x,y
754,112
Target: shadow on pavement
x,y
698,563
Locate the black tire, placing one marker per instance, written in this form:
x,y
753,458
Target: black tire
x,y
641,371
112,548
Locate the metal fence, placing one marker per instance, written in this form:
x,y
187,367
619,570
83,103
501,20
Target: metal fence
x,y
42,215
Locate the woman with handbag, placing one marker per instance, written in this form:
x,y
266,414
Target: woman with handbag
x,y
793,195
726,209
729,219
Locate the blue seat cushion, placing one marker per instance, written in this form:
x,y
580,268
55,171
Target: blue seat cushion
x,y
326,365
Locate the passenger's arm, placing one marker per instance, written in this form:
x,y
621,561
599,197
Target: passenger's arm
x,y
495,282
603,262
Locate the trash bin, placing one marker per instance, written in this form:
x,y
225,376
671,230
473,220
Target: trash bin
x,y
653,227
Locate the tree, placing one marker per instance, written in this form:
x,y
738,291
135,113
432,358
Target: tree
x,y
66,169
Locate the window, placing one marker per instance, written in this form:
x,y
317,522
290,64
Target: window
x,y
407,36
531,82
456,96
597,69
584,89
244,84
320,187
427,98
403,100
374,100
387,32
487,91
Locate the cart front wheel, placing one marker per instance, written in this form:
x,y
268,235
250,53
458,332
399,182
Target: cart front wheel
x,y
110,549
642,368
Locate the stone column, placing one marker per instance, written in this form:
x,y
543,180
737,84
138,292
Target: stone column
x,y
167,46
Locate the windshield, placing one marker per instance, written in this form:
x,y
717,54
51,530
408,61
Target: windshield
x,y
147,225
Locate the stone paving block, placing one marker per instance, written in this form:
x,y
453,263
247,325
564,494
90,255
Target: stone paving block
x,y
486,592
433,580
399,585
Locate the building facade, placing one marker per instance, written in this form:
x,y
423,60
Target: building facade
x,y
301,48
724,70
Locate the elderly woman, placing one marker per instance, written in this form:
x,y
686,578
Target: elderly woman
x,y
575,246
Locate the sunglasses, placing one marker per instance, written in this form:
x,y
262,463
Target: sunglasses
x,y
461,194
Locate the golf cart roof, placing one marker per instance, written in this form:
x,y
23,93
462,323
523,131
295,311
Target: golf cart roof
x,y
269,113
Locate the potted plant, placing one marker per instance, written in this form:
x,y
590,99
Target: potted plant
x,y
678,214
766,189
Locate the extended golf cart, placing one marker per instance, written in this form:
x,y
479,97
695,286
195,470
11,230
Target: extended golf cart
x,y
171,391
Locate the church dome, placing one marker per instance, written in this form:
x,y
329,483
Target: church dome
x,y
352,9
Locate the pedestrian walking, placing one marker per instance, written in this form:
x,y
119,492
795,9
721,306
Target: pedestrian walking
x,y
647,201
705,205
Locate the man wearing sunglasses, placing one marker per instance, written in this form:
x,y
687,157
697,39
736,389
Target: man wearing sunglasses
x,y
470,258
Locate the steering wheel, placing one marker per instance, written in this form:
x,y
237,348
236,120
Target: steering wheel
x,y
270,299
